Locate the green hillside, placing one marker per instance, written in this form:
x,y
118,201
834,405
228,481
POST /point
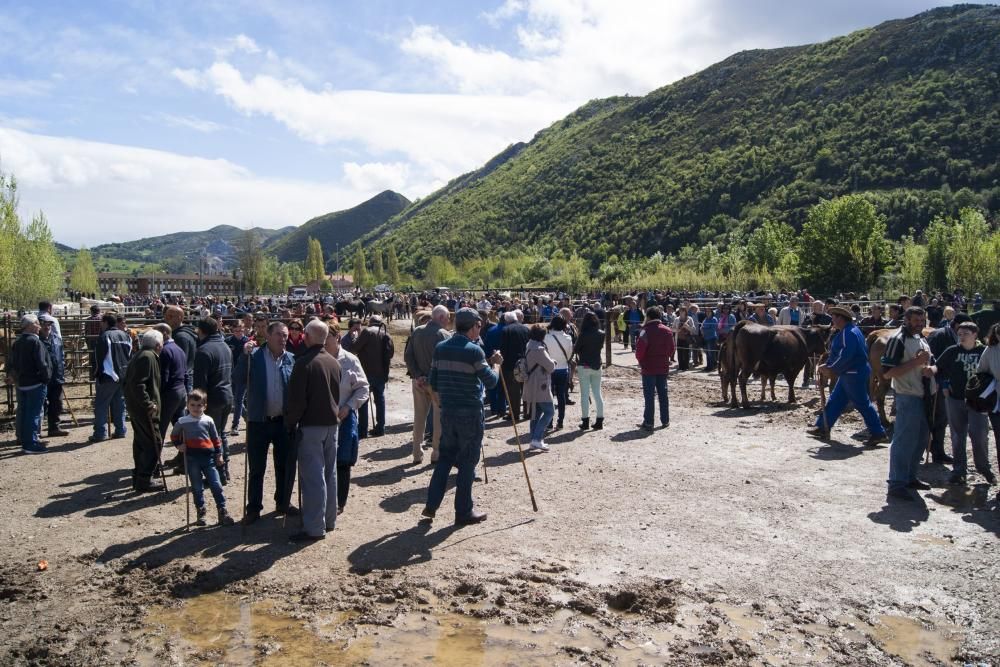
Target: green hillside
x,y
907,112
178,252
340,227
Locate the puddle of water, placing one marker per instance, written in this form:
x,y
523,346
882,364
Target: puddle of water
x,y
747,626
217,628
908,639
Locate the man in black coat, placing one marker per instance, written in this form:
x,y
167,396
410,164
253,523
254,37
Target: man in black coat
x,y
54,394
142,398
213,371
29,367
513,343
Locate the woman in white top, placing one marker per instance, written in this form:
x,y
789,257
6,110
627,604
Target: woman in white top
x,y
560,347
353,394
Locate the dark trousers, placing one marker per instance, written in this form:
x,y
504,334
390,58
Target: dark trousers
x,y
560,389
260,436
55,398
461,443
146,444
343,483
683,355
220,415
655,387
514,389
377,388
172,403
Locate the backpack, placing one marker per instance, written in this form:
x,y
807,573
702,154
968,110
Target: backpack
x,y
981,393
521,372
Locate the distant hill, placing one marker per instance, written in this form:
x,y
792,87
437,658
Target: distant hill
x,y
340,227
178,252
907,112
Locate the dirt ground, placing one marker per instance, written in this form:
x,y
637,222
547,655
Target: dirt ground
x,y
729,538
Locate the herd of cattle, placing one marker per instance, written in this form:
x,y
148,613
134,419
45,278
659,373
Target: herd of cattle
x,y
769,351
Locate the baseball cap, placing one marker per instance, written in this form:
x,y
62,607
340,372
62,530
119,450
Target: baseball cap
x,y
466,317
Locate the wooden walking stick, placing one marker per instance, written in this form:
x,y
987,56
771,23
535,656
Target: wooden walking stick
x,y
517,437
246,476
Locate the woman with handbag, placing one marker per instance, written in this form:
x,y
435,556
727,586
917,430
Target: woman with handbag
x,y
560,347
538,367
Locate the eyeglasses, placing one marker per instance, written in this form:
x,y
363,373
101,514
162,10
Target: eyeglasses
x,y
295,328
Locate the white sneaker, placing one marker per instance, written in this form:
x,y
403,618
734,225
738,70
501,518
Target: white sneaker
x,y
539,446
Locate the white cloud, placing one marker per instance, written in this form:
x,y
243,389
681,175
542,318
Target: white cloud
x,y
191,78
94,192
191,123
441,135
377,175
581,49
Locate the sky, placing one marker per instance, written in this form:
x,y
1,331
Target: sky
x,y
136,118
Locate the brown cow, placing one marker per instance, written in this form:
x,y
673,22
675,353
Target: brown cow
x,y
767,351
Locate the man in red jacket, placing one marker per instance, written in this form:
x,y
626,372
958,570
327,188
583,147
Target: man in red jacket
x,y
654,350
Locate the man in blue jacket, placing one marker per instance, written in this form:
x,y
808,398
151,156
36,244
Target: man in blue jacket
x,y
848,361
267,391
54,394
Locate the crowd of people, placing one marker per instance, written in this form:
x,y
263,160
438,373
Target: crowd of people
x,y
308,389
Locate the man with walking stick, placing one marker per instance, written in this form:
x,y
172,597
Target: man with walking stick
x,y
459,371
848,361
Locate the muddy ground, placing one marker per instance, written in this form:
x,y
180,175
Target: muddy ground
x,y
729,538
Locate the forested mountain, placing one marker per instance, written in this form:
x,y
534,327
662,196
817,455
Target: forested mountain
x,y
340,227
907,112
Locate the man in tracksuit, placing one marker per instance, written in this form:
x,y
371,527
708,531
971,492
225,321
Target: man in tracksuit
x,y
213,372
848,361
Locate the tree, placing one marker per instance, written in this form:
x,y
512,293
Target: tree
x,y
768,245
378,272
360,273
912,266
30,268
250,256
973,264
393,262
842,245
314,268
938,235
440,272
83,277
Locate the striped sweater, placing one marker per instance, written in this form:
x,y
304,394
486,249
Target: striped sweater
x,y
197,434
458,373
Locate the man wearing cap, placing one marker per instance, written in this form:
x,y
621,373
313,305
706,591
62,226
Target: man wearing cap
x,y
848,361
375,349
907,362
54,392
459,371
29,368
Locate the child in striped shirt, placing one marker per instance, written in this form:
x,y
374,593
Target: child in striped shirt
x,y
195,435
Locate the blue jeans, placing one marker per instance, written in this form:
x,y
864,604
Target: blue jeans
x,y
560,389
712,352
108,394
377,388
461,443
852,389
541,420
201,468
28,420
909,438
655,386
